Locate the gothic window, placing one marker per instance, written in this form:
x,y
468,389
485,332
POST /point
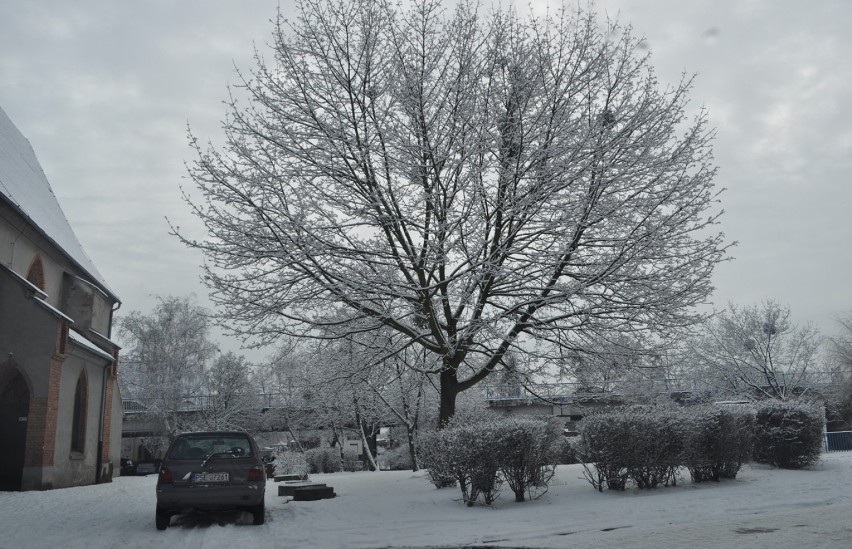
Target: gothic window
x,y
78,427
35,274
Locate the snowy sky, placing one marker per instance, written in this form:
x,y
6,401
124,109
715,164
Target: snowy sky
x,y
104,91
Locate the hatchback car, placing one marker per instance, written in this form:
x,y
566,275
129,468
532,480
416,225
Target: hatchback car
x,y
211,471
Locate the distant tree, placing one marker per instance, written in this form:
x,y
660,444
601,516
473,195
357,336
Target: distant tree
x,y
840,360
757,350
473,182
607,358
165,357
289,391
398,380
232,399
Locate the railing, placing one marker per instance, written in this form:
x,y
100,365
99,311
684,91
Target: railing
x,y
558,392
549,392
196,403
838,441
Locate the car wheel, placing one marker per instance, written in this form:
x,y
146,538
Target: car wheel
x,y
258,513
163,518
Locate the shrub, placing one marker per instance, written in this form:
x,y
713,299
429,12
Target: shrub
x,y
291,463
351,461
481,456
323,460
719,442
639,443
566,450
396,459
788,434
526,453
654,447
433,452
602,436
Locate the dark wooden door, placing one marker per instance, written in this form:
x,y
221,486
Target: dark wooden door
x,y
14,408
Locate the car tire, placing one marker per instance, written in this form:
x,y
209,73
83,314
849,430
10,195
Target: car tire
x,y
258,513
162,519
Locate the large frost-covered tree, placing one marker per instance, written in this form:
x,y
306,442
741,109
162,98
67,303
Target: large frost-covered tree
x,y
475,182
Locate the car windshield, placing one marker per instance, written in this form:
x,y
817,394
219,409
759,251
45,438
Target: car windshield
x,y
201,446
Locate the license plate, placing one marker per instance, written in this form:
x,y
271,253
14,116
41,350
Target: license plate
x,y
210,477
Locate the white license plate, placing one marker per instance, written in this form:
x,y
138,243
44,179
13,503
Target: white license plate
x,y
210,477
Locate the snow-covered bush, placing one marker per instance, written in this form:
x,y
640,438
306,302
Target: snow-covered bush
x,y
291,463
479,457
433,453
567,449
719,441
600,452
788,434
655,446
643,444
526,450
475,450
323,460
451,458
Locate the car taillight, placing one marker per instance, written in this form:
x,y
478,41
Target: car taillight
x,y
256,474
165,476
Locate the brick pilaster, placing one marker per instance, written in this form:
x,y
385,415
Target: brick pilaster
x,y
41,422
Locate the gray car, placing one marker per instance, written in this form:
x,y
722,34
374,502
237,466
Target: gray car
x,y
215,470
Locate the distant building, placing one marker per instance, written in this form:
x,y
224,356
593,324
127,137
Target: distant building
x,y
60,406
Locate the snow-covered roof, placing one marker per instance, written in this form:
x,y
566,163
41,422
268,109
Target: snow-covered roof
x,y
24,185
86,344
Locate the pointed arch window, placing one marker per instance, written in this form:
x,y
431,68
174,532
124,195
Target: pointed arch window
x,y
35,274
78,427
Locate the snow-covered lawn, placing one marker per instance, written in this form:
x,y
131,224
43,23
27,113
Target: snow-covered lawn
x,y
764,507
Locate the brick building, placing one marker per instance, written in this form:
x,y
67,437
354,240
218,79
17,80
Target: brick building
x,y
60,407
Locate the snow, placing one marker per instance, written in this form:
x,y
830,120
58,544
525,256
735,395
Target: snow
x,y
764,507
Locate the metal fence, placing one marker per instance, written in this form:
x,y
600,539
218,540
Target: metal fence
x,y
838,441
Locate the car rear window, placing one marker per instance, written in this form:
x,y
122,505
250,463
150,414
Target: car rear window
x,y
201,446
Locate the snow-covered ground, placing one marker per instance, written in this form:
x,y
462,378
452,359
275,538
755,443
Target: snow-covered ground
x,y
764,507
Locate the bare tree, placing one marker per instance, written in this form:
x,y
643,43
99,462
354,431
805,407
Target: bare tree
x,y
396,379
232,401
473,182
756,350
287,385
840,360
165,359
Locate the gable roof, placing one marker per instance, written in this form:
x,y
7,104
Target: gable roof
x,y
25,187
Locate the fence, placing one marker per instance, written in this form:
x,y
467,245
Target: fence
x,y
838,441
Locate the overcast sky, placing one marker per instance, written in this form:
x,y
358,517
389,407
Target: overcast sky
x,y
104,91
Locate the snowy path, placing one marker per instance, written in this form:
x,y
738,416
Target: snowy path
x,y
762,508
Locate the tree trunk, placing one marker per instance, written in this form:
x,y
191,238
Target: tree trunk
x,y
449,391
412,448
371,461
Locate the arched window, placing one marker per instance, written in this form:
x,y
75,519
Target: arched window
x,y
78,427
35,274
